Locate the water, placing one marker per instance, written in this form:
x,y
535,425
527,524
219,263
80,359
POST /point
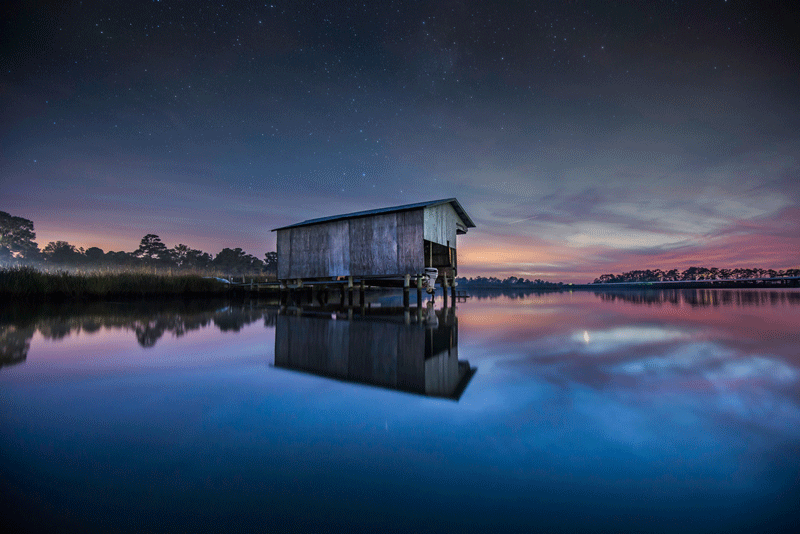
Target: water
x,y
561,412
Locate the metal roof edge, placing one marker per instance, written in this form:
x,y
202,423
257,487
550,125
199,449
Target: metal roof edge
x,y
452,201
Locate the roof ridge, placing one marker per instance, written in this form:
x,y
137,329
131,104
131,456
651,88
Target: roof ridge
x,y
456,205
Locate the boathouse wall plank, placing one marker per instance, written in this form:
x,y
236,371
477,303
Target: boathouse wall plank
x,y
284,247
307,241
373,245
337,249
440,224
410,244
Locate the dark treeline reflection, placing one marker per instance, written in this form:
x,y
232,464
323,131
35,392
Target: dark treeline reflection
x,y
515,294
691,297
704,297
148,321
413,350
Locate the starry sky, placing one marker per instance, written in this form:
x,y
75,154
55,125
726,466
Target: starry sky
x,y
582,137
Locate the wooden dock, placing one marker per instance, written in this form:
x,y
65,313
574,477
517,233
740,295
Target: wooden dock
x,y
325,291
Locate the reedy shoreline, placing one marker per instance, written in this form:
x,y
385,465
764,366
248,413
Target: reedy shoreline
x,y
31,283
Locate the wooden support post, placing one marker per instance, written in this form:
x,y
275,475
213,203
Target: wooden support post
x,y
349,290
362,291
430,253
419,291
406,285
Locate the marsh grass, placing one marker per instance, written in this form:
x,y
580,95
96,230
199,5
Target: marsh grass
x,y
28,282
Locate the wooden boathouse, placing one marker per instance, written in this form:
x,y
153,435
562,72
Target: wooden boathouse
x,y
389,247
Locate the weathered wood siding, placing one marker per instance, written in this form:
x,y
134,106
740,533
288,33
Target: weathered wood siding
x,y
380,245
440,224
410,242
373,245
315,251
284,254
337,249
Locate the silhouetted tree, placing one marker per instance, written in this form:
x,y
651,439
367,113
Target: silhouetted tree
x,y
152,250
61,253
271,262
17,238
120,259
190,258
95,256
236,261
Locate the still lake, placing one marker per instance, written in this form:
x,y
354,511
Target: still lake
x,y
659,411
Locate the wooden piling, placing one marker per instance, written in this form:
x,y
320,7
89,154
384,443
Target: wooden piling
x,y
349,290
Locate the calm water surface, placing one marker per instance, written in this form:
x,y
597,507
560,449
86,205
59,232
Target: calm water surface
x,y
648,412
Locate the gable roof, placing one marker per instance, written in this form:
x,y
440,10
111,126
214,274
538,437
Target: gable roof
x,y
452,201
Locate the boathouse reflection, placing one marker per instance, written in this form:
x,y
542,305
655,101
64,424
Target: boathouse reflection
x,y
412,350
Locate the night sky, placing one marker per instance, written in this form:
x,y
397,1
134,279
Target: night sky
x,y
582,137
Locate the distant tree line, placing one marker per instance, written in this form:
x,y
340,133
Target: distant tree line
x,y
18,247
693,273
510,282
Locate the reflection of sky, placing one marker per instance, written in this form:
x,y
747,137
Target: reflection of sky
x,y
671,419
692,392
601,341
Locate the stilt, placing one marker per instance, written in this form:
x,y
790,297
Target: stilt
x,y
406,284
349,290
